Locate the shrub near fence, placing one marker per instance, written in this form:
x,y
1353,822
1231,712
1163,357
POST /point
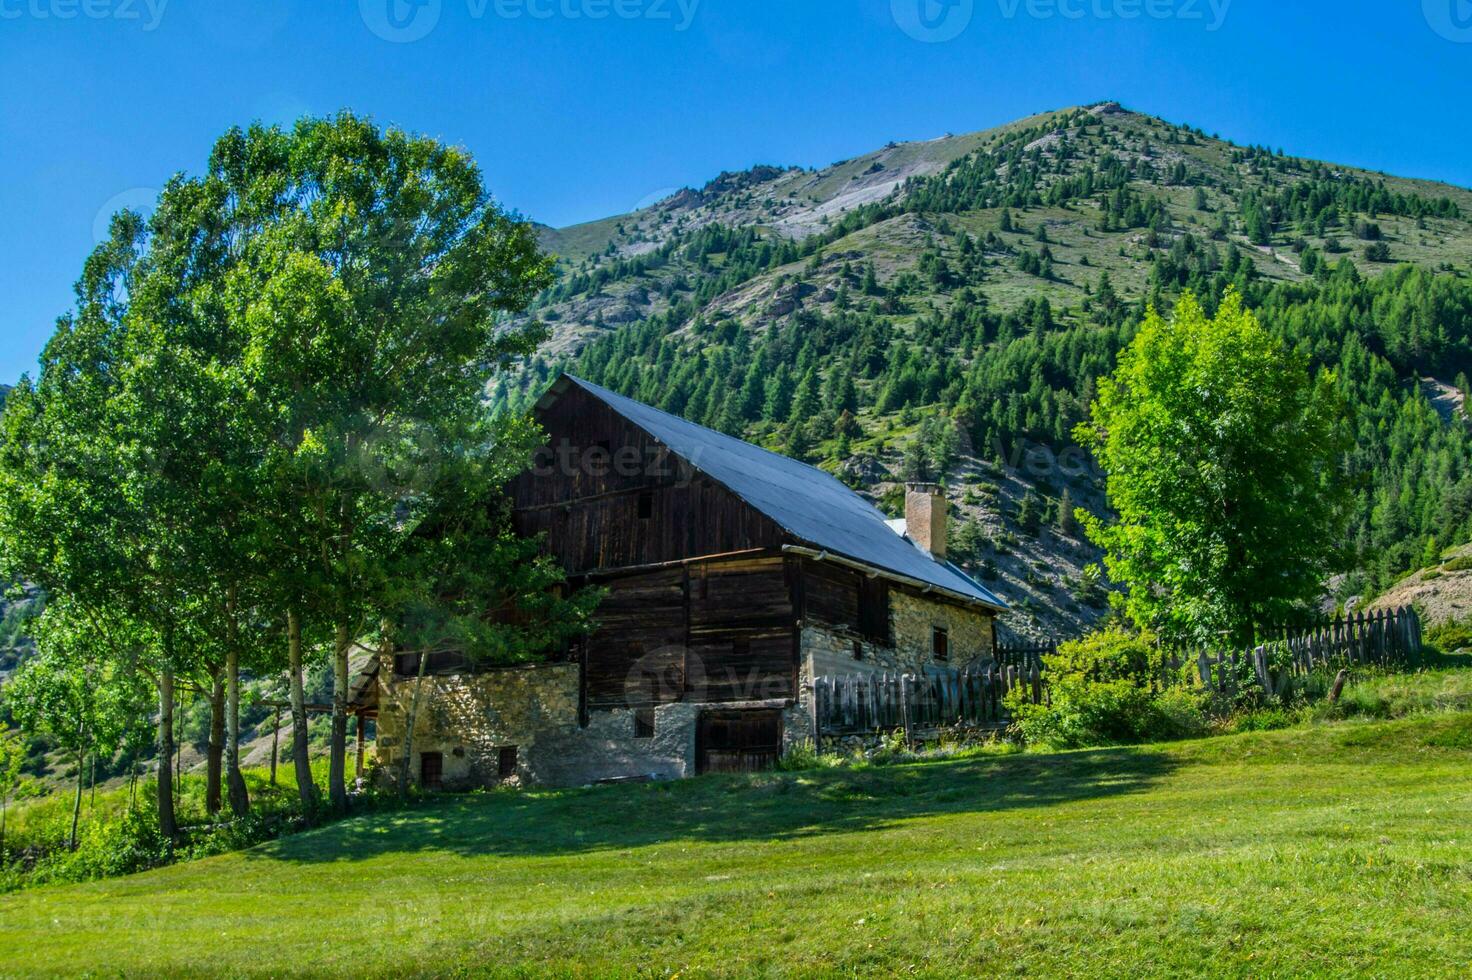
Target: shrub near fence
x,y
860,704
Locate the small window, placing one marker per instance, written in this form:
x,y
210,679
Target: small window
x,y
646,505
940,643
431,770
506,762
874,610
644,723
858,650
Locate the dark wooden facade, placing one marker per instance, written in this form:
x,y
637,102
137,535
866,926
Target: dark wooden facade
x,y
720,629
701,602
608,496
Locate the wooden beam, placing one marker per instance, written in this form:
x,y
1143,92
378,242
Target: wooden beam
x,y
680,563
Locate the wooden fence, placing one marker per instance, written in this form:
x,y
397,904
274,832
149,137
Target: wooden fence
x,y
1016,653
1389,639
860,704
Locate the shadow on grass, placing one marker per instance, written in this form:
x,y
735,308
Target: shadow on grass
x,y
762,806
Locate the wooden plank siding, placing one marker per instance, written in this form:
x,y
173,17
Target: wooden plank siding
x,y
742,630
637,656
702,604
585,495
721,630
846,601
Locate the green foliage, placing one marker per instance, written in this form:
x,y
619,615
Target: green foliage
x,y
1222,456
1017,360
1450,636
1104,690
74,691
269,393
1029,514
932,453
969,542
892,501
12,758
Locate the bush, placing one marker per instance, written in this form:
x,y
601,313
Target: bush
x,y
1450,636
1101,693
128,843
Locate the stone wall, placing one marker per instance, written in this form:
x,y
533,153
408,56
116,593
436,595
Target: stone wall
x,y
470,719
912,619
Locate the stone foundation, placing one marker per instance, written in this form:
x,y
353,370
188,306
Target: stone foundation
x,y
469,720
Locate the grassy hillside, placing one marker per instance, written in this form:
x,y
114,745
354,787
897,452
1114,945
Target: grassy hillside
x,y
985,282
1327,850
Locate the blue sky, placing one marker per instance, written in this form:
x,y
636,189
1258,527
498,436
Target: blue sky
x,y
577,109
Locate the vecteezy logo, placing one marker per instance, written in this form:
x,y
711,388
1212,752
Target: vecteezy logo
x,y
400,21
932,21
660,676
140,199
1452,19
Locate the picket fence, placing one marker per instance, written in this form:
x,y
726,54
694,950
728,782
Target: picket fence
x,y
860,704
1014,653
1388,639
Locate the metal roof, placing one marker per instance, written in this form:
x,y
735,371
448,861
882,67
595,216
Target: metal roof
x,y
809,504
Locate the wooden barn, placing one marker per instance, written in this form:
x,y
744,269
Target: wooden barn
x,y
734,576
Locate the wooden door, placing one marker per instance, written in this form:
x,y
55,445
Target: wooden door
x,y
431,770
738,741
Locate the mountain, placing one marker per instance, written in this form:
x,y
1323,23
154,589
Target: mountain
x,y
944,308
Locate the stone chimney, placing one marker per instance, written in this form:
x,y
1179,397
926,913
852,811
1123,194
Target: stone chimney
x,y
925,517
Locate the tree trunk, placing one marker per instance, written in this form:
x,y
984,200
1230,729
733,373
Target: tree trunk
x,y
77,800
337,764
167,825
304,785
3,805
409,723
214,760
179,740
275,744
234,781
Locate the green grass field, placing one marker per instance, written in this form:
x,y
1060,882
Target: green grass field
x,y
1332,849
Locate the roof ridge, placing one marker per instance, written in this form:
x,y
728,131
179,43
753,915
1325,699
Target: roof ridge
x,y
787,460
